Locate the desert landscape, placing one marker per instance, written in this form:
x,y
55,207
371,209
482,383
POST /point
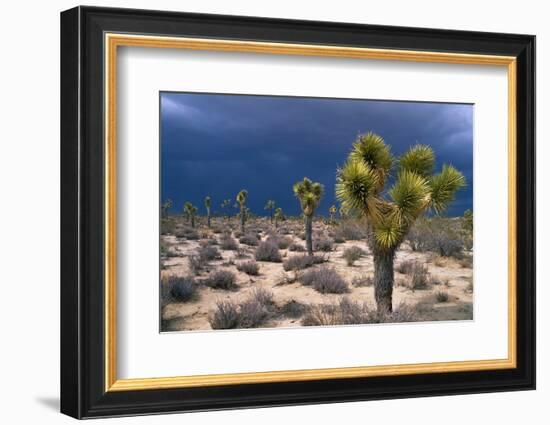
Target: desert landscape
x,y
277,212
218,277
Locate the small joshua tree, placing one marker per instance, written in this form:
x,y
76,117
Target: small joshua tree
x,y
241,200
207,205
166,206
360,187
309,194
270,206
332,211
278,216
190,212
225,203
186,207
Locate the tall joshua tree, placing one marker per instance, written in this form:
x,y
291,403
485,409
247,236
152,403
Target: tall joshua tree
x,y
186,208
360,185
241,200
270,206
332,211
278,216
207,205
309,194
190,212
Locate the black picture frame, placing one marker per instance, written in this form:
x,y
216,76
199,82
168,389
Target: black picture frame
x,y
83,392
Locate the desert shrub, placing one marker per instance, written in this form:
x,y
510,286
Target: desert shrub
x,y
249,267
225,316
352,254
227,243
282,242
221,279
263,296
209,253
296,247
187,233
178,289
347,312
167,226
293,309
406,267
442,296
196,263
241,253
360,281
349,231
443,236
323,244
252,314
250,239
325,280
267,251
417,272
470,287
438,281
216,229
419,277
301,262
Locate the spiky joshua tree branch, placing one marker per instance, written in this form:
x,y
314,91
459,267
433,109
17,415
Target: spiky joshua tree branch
x,y
360,187
309,194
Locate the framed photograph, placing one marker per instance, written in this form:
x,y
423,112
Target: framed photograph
x,y
261,212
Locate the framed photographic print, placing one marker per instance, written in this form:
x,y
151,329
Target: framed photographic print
x,y
261,212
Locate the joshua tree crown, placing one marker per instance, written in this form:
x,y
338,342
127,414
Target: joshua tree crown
x,y
360,185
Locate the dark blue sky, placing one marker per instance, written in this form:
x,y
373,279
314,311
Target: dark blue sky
x,y
219,144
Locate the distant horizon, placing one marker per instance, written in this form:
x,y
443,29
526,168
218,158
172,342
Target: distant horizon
x,y
216,144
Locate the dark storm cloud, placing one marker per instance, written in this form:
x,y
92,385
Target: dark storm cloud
x,y
217,145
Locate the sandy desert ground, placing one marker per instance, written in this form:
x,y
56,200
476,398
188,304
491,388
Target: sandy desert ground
x,y
446,294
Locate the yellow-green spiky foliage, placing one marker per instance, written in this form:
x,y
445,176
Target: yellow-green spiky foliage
x,y
309,194
361,184
241,200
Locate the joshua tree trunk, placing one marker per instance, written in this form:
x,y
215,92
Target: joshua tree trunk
x,y
309,242
208,218
242,220
383,279
192,221
276,223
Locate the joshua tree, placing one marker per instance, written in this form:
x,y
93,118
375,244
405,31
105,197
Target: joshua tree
x,y
278,216
241,200
190,212
224,205
360,187
166,206
309,194
332,211
186,207
270,205
207,205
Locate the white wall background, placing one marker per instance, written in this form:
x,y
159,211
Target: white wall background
x,y
29,216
